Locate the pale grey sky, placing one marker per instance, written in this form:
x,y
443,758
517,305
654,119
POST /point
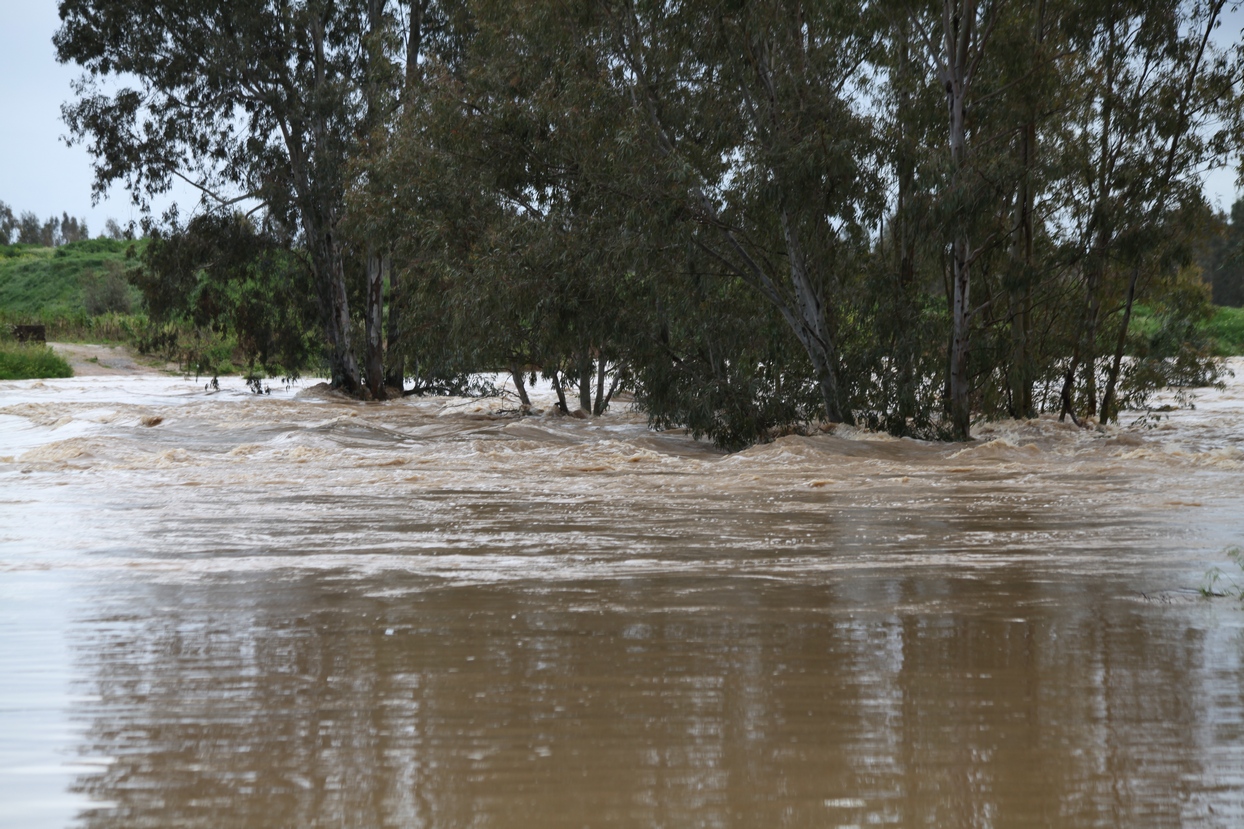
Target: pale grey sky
x,y
38,172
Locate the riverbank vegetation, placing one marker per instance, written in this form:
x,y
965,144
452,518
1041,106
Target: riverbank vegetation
x,y
1218,584
84,277
906,216
99,291
30,362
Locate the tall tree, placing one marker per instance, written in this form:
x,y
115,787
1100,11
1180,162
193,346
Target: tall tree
x,y
757,129
1160,99
8,223
956,35
1224,258
29,229
247,102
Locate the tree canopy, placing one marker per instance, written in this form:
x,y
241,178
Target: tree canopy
x,y
749,214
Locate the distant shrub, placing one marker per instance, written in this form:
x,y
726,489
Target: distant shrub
x,y
106,292
100,245
14,251
1227,329
31,362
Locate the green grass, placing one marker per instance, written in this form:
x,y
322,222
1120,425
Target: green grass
x,y
31,362
48,282
1227,329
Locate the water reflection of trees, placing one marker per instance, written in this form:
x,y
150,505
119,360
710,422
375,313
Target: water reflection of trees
x,y
655,703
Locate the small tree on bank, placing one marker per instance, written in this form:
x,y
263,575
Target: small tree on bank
x,y
261,102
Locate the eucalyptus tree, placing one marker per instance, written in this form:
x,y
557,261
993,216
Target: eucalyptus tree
x,y
954,39
760,137
30,231
1160,101
261,102
393,83
967,97
499,193
1033,92
8,223
1224,257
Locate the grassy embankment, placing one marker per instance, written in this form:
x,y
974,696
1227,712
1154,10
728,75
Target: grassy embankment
x,y
1227,330
1224,331
31,362
79,292
54,287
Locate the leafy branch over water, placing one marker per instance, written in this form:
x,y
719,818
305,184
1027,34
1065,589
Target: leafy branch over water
x,y
1218,584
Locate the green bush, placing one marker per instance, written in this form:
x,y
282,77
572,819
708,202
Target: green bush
x,y
31,362
1226,328
106,292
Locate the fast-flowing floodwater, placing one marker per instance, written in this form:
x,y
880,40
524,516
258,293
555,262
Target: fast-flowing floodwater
x,y
222,610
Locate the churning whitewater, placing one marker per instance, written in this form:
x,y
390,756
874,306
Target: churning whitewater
x,y
294,609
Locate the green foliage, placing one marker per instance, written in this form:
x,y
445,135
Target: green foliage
x,y
30,362
265,101
58,281
712,362
222,283
108,292
1226,328
193,348
15,250
1222,257
8,223
1218,584
1171,345
754,216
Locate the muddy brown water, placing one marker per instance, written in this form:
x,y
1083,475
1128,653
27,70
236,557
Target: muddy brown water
x,y
294,611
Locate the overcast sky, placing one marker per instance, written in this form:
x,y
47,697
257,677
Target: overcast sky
x,y
38,172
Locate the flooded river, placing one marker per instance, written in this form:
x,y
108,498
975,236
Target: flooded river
x,y
223,610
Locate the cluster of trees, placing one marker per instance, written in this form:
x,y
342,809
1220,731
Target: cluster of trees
x,y
1222,257
902,214
28,229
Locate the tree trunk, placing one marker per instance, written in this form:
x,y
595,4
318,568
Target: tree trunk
x,y
318,212
395,362
334,304
585,382
373,319
1021,373
812,328
561,392
960,382
959,19
598,407
1090,362
1109,407
903,231
1086,345
1067,406
519,387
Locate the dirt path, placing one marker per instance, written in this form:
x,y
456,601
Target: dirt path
x,y
94,360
